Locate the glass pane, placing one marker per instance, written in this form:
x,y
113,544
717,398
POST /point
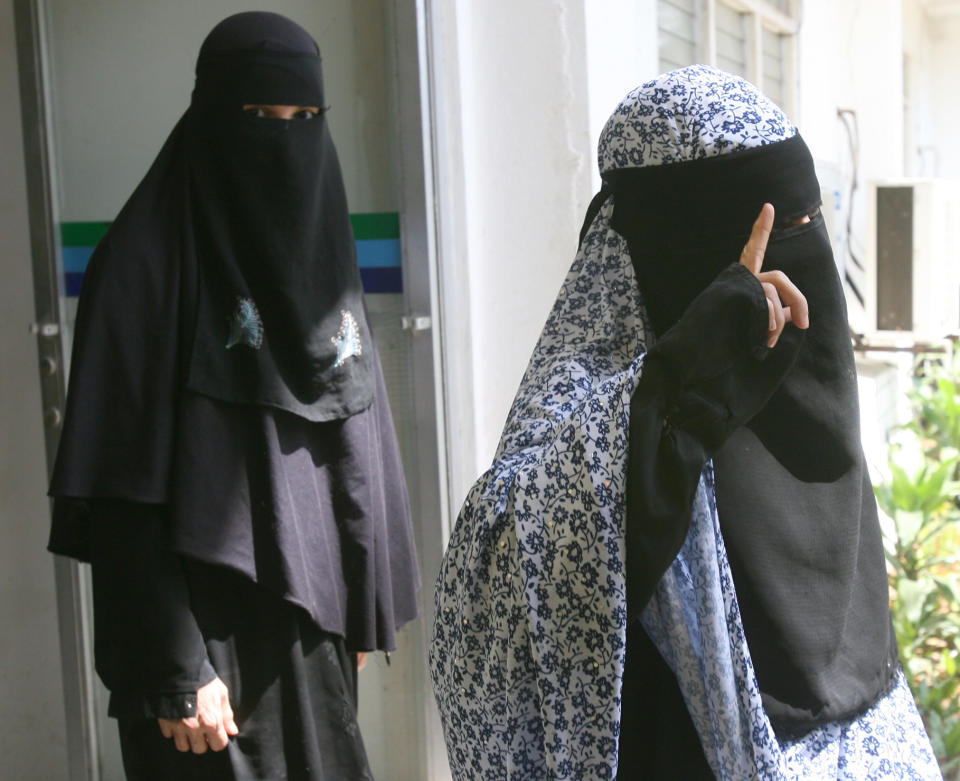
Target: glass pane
x,y
731,32
677,23
774,67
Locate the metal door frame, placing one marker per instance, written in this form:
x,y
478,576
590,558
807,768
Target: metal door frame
x,y
30,25
414,36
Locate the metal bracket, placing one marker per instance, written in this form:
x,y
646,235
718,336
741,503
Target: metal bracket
x,y
416,323
49,330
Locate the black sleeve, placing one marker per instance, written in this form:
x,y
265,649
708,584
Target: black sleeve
x,y
707,375
148,649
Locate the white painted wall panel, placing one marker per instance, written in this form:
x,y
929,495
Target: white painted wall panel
x,y
526,162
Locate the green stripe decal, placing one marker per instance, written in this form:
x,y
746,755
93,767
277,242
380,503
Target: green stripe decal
x,y
377,236
366,225
376,225
82,234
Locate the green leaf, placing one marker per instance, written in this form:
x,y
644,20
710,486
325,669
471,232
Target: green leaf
x,y
945,587
903,492
945,690
884,495
909,524
936,720
952,740
894,562
930,492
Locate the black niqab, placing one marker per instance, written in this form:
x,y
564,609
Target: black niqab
x,y
281,319
793,493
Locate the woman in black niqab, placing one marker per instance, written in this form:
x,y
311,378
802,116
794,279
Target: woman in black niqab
x,y
228,462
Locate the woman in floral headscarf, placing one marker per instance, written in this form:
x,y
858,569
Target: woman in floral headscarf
x,y
673,568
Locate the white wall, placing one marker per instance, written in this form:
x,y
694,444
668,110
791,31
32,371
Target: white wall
x,y
517,176
850,57
919,75
32,726
932,57
622,53
944,75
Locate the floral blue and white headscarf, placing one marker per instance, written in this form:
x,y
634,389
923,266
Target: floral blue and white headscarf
x,y
529,642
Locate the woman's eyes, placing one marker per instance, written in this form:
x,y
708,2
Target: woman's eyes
x,y
259,112
799,221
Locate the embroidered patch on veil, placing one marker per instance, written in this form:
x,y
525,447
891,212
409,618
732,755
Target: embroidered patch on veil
x,y
246,327
347,339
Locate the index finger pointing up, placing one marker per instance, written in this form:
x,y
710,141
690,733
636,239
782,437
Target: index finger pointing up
x,y
752,255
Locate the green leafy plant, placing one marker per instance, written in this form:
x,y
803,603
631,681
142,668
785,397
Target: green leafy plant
x,y
922,545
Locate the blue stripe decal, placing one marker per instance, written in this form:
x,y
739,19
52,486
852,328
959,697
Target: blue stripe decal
x,y
378,253
382,280
72,282
379,261
75,259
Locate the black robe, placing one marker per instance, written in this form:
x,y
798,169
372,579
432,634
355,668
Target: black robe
x,y
167,621
166,625
678,422
228,462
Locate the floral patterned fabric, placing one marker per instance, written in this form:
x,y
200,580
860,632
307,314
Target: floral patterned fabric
x,y
529,639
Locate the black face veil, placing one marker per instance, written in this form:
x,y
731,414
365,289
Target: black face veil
x,y
280,319
792,489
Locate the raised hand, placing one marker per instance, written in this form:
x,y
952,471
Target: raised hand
x,y
785,302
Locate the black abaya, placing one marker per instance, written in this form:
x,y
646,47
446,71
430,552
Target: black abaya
x,y
292,688
228,462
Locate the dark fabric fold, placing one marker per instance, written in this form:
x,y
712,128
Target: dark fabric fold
x,y
687,403
793,496
118,430
799,517
291,685
316,513
658,741
147,647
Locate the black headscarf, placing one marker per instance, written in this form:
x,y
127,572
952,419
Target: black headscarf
x,y
223,366
246,217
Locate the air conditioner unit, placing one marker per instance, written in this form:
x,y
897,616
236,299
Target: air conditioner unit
x,y
916,278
